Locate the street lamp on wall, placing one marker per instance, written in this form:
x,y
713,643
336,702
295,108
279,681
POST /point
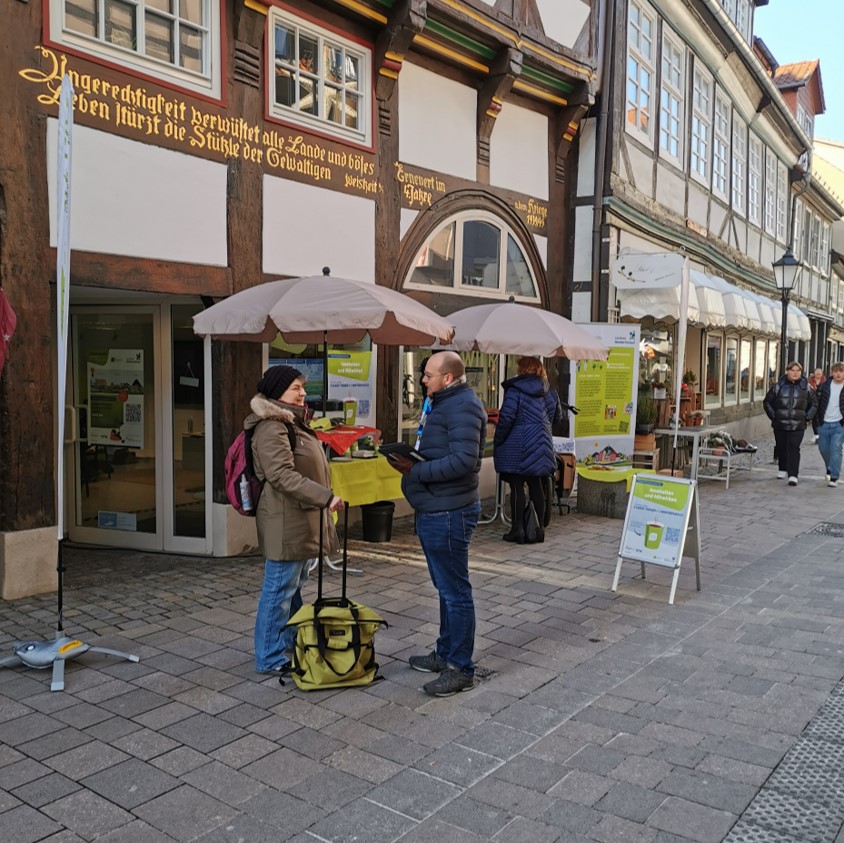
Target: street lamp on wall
x,y
786,272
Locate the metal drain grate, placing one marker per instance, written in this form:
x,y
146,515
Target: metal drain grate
x,y
828,528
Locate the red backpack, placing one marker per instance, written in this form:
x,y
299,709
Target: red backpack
x,y
243,488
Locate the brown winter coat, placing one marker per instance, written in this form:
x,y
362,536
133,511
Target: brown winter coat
x,y
297,483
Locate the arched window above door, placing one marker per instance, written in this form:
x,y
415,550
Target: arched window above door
x,y
474,253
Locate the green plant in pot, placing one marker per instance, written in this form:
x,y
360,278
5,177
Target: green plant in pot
x,y
646,411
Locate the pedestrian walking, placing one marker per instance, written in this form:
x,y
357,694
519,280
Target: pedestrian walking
x,y
831,422
443,489
296,494
524,445
816,379
790,405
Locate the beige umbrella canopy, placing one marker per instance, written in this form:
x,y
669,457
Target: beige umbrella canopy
x,y
510,328
321,309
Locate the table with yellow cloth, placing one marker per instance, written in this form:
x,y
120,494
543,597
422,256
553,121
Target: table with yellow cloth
x,y
363,481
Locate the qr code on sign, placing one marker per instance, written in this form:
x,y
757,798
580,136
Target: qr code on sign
x,y
672,535
132,413
363,406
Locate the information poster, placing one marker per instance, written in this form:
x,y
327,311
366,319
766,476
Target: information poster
x,y
350,377
605,394
116,397
657,519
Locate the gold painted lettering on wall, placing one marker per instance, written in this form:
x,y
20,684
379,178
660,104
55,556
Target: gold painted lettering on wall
x,y
418,189
137,112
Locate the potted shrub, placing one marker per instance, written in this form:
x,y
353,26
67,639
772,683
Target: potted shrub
x,y
689,381
646,411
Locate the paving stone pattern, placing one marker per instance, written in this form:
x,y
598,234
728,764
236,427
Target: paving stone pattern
x,y
599,716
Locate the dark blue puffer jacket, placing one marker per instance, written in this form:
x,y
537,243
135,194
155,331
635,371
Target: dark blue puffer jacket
x,y
452,444
523,443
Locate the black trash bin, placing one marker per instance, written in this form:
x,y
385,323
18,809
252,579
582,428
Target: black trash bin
x,y
377,519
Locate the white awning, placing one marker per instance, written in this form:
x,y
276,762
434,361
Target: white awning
x,y
714,303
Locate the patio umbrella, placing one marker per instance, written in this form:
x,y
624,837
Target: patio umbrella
x,y
322,309
510,328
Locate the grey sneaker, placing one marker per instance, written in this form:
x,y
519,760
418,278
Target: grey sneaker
x,y
431,663
450,682
833,484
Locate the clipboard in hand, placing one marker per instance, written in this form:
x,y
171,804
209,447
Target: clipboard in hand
x,y
400,449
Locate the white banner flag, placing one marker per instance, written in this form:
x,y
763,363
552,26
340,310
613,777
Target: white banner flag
x,y
63,171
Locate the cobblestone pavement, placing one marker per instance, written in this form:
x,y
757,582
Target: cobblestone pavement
x,y
599,716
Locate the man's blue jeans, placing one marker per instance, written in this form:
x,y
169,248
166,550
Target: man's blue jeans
x,y
445,538
281,598
830,442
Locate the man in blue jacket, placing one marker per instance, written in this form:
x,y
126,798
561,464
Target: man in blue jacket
x,y
443,489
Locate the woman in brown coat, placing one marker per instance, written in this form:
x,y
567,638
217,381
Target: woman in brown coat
x,y
297,492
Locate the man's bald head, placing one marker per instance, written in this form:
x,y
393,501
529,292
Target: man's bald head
x,y
442,370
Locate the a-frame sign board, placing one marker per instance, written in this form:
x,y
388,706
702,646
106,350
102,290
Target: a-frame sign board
x,y
662,525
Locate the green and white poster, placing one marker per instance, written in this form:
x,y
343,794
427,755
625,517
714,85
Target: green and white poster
x,y
116,397
657,517
662,525
605,394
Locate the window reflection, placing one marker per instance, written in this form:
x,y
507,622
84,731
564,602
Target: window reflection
x,y
519,280
435,263
760,364
745,372
714,347
730,370
481,248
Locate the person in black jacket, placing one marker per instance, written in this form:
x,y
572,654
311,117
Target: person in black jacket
x,y
524,447
790,404
831,422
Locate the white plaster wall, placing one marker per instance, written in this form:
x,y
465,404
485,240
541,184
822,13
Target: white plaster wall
x,y
307,228
131,198
542,248
518,151
582,267
671,188
581,307
437,122
586,159
642,164
406,219
563,20
698,203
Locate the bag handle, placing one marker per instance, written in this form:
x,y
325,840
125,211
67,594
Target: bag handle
x,y
322,548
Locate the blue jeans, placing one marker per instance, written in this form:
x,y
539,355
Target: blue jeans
x,y
830,443
281,598
445,538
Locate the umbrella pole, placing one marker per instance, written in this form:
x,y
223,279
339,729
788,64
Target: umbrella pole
x,y
324,374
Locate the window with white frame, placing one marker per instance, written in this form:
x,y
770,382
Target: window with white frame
x,y
178,43
745,368
474,254
796,240
823,257
671,98
701,125
806,121
640,68
739,159
813,257
770,191
782,201
721,145
806,235
731,370
743,18
754,179
760,375
713,385
318,78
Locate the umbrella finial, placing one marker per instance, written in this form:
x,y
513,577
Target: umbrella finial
x,y
326,270
512,298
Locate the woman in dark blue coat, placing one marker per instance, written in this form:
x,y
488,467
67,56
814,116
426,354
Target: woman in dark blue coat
x,y
524,449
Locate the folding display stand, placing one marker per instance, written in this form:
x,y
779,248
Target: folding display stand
x,y
43,654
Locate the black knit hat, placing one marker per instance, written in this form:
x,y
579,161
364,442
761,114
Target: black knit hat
x,y
277,380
